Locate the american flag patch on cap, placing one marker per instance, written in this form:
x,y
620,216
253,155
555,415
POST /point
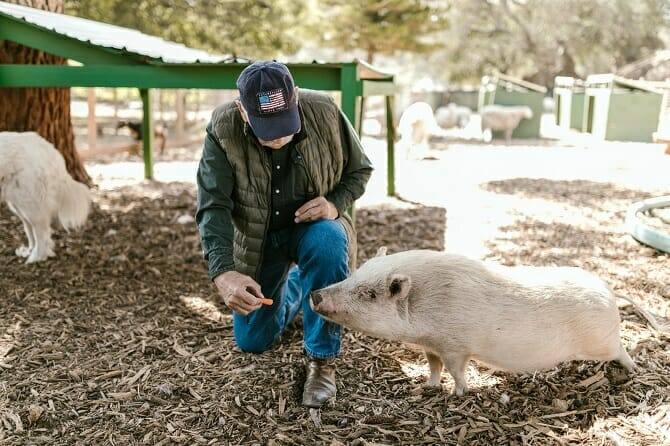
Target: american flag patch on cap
x,y
272,101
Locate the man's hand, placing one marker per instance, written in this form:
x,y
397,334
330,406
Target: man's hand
x,y
316,209
239,292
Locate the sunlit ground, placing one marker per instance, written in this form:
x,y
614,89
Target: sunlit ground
x,y
461,164
204,309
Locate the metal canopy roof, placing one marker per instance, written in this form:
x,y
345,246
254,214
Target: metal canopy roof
x,y
113,56
110,36
516,82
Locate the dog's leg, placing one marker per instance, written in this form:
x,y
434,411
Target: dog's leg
x,y
42,237
50,243
23,251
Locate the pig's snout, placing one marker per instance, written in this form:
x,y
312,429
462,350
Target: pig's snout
x,y
322,304
316,298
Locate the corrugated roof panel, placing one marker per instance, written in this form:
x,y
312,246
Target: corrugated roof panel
x,y
110,36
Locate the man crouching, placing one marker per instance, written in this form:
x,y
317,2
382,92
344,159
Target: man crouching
x,y
275,179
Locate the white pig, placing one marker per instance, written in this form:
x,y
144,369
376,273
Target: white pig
x,y
452,115
504,118
457,309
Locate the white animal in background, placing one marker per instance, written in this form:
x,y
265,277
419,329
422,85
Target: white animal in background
x,y
452,115
504,119
37,188
457,309
416,125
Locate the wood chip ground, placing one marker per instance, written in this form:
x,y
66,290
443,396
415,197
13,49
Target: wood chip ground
x,y
120,340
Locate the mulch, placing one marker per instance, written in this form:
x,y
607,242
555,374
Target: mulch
x,y
120,340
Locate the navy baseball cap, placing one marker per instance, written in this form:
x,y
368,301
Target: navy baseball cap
x,y
267,93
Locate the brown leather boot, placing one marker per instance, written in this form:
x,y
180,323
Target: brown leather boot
x,y
319,383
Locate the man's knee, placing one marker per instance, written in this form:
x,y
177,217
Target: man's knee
x,y
326,241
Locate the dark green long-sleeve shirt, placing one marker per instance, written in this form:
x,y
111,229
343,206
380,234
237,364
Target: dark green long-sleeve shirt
x,y
215,185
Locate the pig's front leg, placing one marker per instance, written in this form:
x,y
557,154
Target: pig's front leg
x,y
436,366
456,364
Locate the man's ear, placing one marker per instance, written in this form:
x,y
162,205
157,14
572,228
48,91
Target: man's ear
x,y
381,252
399,285
242,111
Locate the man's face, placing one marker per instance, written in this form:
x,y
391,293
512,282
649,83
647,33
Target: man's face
x,y
275,143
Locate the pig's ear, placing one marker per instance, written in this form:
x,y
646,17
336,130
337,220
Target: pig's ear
x,y
399,285
381,252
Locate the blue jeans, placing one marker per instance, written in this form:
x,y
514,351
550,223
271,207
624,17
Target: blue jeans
x,y
319,251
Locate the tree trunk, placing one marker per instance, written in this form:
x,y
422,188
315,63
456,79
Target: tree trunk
x,y
180,106
42,110
91,121
370,54
161,105
568,65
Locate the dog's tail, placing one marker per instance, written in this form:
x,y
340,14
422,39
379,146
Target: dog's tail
x,y
74,204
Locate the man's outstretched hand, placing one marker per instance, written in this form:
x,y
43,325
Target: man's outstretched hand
x,y
239,292
317,209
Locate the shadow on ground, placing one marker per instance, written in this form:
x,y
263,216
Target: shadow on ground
x,y
580,193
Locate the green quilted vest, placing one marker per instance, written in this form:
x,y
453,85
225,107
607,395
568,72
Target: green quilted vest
x,y
321,152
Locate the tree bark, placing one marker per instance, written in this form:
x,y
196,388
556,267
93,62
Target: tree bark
x,y
568,65
180,106
42,110
370,54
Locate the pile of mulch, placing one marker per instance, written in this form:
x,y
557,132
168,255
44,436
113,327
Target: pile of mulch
x,y
120,340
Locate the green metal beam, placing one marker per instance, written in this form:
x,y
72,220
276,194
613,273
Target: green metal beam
x,y
390,148
44,40
350,88
147,133
215,76
378,88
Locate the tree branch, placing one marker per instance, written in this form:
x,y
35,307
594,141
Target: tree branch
x,y
524,28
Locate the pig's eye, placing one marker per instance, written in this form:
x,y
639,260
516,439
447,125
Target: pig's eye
x,y
372,294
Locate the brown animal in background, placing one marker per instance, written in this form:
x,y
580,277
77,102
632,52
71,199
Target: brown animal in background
x,y
135,127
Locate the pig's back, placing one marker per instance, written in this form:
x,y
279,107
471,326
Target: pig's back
x,y
517,318
492,284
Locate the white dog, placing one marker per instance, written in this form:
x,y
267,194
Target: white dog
x,y
416,125
37,188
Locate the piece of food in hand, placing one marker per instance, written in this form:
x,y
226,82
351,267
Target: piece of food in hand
x,y
262,298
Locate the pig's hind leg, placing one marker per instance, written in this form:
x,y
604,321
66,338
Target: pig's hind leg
x,y
456,364
625,360
436,366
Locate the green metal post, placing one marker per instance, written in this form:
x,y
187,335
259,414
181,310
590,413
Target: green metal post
x,y
360,116
350,88
147,133
390,148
